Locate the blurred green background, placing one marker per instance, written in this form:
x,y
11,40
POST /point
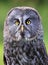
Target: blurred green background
x,y
40,5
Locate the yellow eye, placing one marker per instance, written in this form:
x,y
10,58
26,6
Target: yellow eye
x,y
17,22
28,22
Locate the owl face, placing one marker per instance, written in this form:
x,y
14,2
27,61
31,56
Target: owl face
x,y
23,24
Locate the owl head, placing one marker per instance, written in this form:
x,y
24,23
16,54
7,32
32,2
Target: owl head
x,y
23,23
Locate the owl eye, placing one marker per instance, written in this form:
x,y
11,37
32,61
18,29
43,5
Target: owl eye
x,y
28,22
17,22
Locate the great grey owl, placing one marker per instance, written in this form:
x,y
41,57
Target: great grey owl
x,y
23,38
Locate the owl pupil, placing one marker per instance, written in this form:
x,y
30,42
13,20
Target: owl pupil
x,y
17,22
28,22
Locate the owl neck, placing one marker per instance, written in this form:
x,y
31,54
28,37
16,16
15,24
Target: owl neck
x,y
21,43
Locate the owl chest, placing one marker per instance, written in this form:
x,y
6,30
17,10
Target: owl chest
x,y
20,55
25,51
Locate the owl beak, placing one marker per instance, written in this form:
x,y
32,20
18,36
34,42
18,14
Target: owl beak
x,y
22,28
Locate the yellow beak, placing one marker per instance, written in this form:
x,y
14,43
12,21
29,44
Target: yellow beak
x,y
22,28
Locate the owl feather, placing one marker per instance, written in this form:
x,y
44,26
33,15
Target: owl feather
x,y
23,38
